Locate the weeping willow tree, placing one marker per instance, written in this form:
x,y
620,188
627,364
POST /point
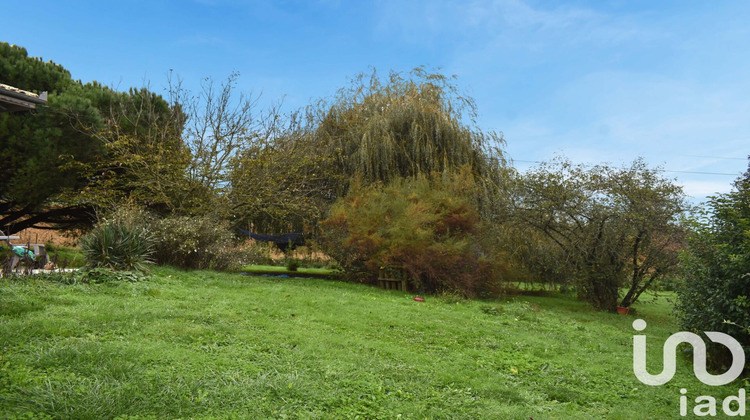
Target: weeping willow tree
x,y
380,130
374,131
397,142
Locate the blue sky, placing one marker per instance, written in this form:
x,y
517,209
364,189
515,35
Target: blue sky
x,y
597,81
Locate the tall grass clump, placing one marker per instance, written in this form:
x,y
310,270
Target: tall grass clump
x,y
117,245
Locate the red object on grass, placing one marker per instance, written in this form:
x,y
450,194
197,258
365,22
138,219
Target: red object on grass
x,y
419,299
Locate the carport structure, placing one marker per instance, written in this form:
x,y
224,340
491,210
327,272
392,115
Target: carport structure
x,y
13,99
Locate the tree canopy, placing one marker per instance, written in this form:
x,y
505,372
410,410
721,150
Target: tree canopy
x,y
40,150
716,267
615,226
404,127
375,130
362,152
61,161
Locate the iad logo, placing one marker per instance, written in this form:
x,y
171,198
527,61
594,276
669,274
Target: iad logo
x,y
705,405
699,357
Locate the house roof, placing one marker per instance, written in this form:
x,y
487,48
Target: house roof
x,y
13,99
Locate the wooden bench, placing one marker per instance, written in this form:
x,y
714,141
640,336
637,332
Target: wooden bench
x,y
387,281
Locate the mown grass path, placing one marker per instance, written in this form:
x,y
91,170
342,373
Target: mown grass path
x,y
213,345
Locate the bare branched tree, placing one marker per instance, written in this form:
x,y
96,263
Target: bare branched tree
x,y
217,126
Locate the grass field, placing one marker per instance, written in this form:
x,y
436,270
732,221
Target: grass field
x,y
211,345
274,269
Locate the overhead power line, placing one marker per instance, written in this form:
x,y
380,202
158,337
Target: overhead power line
x,y
716,157
663,170
704,173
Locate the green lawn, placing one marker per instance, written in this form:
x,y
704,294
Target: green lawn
x,y
274,269
212,345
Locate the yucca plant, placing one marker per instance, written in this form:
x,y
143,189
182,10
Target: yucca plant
x,y
119,246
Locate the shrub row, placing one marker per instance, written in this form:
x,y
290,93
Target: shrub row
x,y
130,238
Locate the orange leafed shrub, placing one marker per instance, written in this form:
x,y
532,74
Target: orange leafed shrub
x,y
427,228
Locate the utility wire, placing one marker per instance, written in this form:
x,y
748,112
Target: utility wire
x,y
716,157
663,170
704,173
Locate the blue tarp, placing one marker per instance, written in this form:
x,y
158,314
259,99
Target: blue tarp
x,y
23,252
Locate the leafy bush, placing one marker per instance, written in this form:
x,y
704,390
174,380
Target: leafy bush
x,y
716,268
254,252
196,242
427,229
118,245
292,265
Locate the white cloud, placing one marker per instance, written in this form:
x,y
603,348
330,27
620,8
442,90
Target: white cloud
x,y
491,24
596,84
517,14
